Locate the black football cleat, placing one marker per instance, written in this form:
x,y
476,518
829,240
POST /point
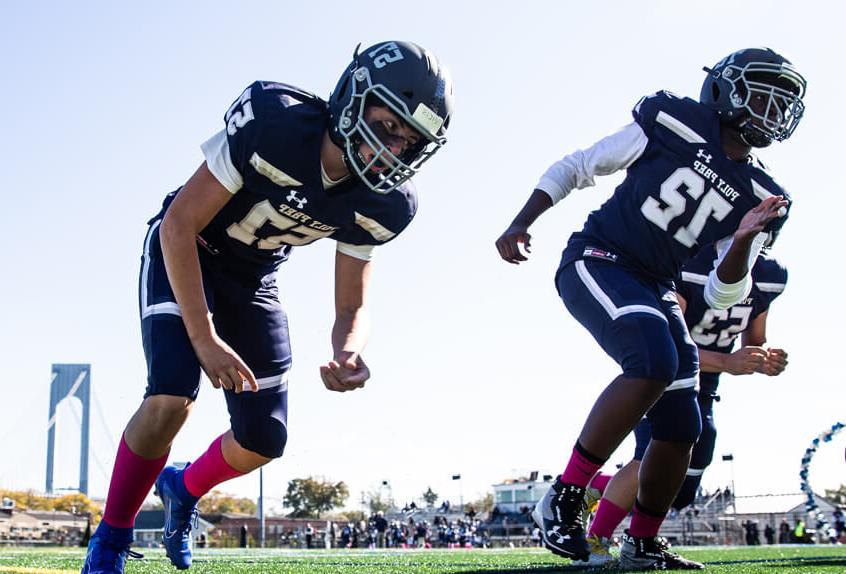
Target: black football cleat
x,y
559,516
650,554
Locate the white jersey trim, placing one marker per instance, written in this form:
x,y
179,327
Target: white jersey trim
x,y
695,471
274,381
696,278
374,228
166,308
770,287
363,252
272,172
216,151
608,155
760,191
605,301
679,128
688,383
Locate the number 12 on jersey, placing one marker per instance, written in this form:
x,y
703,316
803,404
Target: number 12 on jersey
x,y
685,179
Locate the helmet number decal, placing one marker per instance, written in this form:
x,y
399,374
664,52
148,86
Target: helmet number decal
x,y
712,205
385,54
239,113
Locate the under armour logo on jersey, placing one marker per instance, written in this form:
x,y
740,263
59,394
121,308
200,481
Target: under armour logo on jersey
x,y
706,156
301,201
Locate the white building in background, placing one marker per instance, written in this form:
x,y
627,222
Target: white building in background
x,y
517,495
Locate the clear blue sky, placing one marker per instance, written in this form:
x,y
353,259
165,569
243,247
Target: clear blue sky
x,y
474,361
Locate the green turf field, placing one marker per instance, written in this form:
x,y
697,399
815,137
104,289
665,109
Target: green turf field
x,y
741,560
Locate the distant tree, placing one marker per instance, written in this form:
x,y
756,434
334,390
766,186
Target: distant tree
x,y
309,497
376,503
76,503
484,504
28,500
838,495
353,516
216,502
430,496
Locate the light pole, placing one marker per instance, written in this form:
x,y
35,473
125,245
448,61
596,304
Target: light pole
x,y
261,507
730,459
386,495
460,491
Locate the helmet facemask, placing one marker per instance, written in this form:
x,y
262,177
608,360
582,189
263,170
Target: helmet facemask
x,y
769,97
355,131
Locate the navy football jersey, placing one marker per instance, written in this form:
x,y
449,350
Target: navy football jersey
x,y
718,329
681,194
273,137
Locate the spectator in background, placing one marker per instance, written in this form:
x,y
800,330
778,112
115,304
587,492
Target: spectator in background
x,y
309,534
381,526
355,535
346,535
784,532
769,533
422,534
839,521
329,535
799,531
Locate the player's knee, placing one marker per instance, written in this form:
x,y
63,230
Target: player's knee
x,y
165,410
656,367
703,452
675,417
266,437
687,493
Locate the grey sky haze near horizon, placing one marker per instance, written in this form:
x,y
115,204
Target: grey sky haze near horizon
x,y
473,360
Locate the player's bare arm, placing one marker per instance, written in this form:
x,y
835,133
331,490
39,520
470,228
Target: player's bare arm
x,y
347,370
756,334
518,232
192,209
745,361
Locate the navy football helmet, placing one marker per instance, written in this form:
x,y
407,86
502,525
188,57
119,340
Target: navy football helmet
x,y
757,91
409,81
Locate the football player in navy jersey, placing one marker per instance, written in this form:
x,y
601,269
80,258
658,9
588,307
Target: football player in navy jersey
x,y
714,331
691,181
286,170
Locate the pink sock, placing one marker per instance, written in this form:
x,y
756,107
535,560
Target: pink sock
x,y
579,469
645,524
132,479
600,481
608,516
209,470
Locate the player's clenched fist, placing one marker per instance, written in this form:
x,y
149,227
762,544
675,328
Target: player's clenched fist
x,y
509,243
345,373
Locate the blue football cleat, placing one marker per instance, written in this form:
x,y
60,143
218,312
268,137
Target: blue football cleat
x,y
108,550
180,516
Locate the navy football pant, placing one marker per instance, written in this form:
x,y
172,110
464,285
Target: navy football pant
x,y
639,323
247,315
